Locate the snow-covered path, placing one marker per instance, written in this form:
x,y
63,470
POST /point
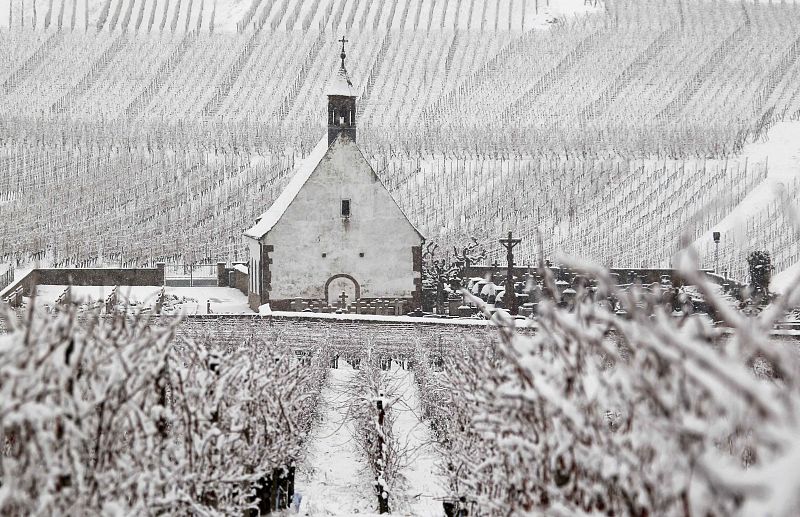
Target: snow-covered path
x,y
423,487
332,478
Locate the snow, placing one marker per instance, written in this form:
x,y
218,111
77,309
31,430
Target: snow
x,y
334,480
341,85
781,282
395,319
268,219
424,487
188,300
556,9
229,13
782,152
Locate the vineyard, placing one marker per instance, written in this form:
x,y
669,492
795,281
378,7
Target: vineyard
x,y
632,412
574,419
119,417
616,130
602,133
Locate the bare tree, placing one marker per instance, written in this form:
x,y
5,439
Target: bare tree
x,y
438,273
469,254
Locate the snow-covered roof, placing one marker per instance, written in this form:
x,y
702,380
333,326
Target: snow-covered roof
x,y
268,219
341,85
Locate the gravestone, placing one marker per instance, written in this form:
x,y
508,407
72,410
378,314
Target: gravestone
x,y
454,301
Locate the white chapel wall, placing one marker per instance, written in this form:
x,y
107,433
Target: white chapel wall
x,y
313,225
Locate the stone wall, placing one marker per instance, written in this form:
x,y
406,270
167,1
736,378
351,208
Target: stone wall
x,y
379,306
223,274
496,271
254,300
239,280
91,276
623,275
233,277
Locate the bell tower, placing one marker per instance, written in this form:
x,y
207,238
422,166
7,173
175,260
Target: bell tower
x,y
341,103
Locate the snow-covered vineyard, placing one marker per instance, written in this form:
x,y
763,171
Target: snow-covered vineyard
x,y
412,257
591,411
186,122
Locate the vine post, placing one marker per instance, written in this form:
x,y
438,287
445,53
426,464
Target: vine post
x,y
380,483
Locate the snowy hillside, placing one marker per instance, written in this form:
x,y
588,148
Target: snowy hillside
x,y
613,132
149,16
765,219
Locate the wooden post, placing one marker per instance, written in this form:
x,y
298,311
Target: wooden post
x,y
383,495
290,487
263,492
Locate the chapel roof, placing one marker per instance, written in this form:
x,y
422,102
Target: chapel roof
x,y
303,171
266,221
340,84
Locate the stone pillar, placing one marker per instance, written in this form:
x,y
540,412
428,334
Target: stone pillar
x,y
162,277
266,272
416,261
222,275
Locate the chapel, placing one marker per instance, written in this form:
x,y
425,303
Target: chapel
x,y
335,236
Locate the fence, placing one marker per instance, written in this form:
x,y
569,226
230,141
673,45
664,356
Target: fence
x,y
190,275
6,275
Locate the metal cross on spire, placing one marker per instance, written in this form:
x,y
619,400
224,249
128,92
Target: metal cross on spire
x,y
343,55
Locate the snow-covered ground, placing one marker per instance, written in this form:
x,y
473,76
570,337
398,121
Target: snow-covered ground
x,y
782,152
423,486
781,282
226,14
334,480
180,300
781,149
477,322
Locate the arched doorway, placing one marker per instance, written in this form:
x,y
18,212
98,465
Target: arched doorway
x,y
338,284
